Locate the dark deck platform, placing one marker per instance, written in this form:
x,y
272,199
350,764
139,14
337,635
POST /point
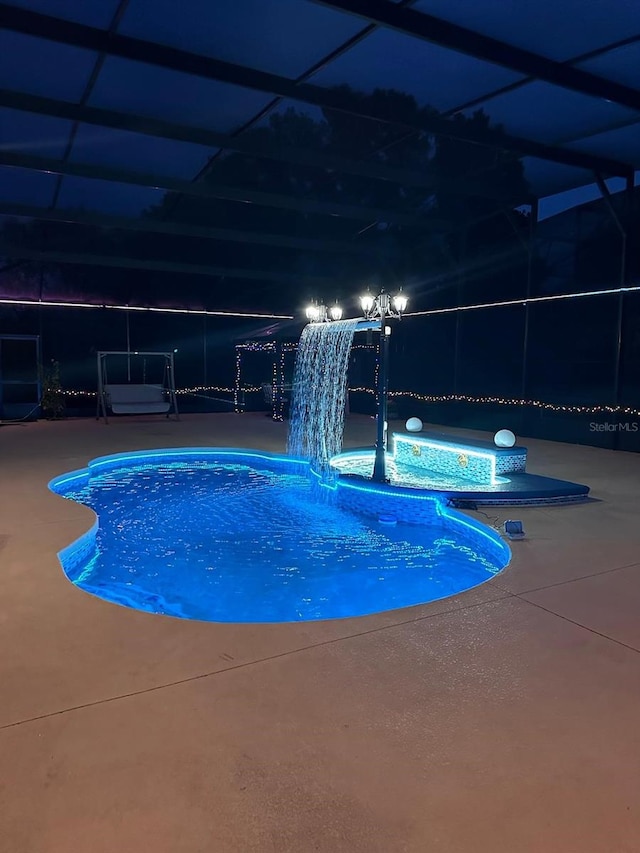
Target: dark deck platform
x,y
513,488
523,489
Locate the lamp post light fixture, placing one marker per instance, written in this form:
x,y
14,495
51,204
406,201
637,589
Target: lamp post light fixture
x,y
335,312
319,313
316,313
382,307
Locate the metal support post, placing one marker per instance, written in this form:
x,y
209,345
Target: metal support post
x,y
379,467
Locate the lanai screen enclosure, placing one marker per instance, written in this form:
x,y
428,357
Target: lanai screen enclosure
x,y
187,172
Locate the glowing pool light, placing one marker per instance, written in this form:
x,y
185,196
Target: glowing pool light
x,y
441,453
504,438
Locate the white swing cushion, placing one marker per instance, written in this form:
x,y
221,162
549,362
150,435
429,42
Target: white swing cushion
x,y
136,399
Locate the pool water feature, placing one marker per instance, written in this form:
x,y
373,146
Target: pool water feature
x,y
236,536
316,422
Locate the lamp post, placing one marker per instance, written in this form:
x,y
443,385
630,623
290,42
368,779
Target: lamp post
x,y
378,308
382,307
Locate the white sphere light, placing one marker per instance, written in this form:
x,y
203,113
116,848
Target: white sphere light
x,y
413,425
504,438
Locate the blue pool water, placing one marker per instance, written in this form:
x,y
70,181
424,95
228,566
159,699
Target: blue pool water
x,y
245,539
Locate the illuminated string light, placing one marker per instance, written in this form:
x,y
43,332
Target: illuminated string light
x,y
265,346
277,370
287,346
278,365
527,300
274,389
218,388
281,380
196,389
47,303
239,389
376,369
422,398
236,387
504,401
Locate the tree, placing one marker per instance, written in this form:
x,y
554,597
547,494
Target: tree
x,y
462,201
52,401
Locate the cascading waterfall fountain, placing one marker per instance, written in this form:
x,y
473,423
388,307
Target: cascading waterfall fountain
x,y
320,392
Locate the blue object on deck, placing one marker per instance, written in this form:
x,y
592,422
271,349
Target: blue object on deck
x,y
514,529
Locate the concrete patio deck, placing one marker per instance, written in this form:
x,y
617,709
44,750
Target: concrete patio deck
x,y
503,719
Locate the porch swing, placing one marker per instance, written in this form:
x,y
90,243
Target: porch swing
x,y
136,397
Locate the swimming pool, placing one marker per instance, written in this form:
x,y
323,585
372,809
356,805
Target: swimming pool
x,y
225,535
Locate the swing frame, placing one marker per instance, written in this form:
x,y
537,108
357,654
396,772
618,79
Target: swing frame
x,y
153,398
